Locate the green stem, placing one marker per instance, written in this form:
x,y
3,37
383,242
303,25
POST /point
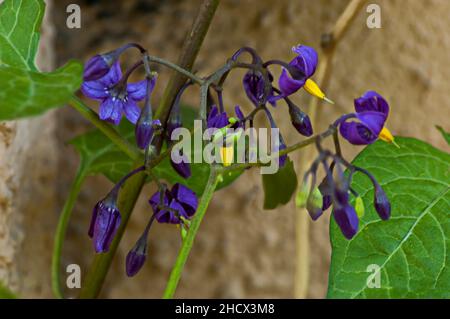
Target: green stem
x,y
105,127
176,68
61,231
183,255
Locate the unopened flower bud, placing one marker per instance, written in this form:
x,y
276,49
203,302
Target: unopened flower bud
x,y
381,203
300,120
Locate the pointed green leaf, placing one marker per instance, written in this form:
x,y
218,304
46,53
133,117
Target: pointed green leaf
x,y
26,91
412,249
279,187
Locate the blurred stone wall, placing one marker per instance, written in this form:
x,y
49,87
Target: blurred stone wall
x,y
241,250
28,212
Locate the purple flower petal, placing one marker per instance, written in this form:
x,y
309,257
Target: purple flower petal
x,y
94,90
186,197
112,77
95,68
306,61
138,90
372,101
111,110
288,85
131,110
374,121
106,225
357,133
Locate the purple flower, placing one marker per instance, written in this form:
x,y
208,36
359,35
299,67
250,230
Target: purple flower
x,y
372,111
104,222
300,120
169,206
305,64
116,96
254,87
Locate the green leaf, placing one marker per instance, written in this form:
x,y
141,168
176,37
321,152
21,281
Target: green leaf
x,y
26,91
279,187
412,248
20,21
5,293
445,134
101,156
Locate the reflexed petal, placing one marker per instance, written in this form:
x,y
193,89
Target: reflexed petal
x,y
186,197
372,101
180,211
374,121
306,60
357,133
154,201
94,90
288,85
347,220
131,110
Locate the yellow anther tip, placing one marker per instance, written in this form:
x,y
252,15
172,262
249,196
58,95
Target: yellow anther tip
x,y
328,100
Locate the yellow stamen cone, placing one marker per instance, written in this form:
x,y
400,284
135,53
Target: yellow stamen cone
x,y
386,135
227,155
312,88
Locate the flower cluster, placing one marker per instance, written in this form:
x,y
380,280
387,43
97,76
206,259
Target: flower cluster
x,y
104,81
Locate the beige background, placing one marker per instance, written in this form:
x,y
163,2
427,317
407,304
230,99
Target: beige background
x,y
241,250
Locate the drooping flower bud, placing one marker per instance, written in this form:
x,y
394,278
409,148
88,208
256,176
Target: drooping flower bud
x,y
381,202
347,220
100,64
97,67
145,125
137,256
300,120
104,222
